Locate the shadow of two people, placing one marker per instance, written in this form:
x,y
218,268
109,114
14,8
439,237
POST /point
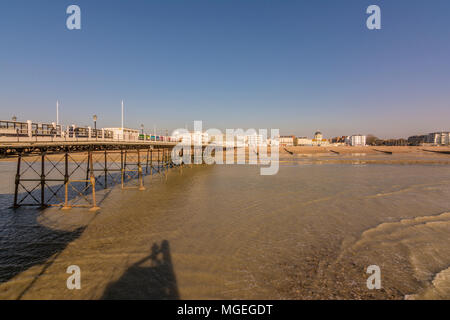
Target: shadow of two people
x,y
151,278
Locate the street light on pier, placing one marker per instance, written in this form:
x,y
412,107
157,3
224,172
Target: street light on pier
x,y
95,125
14,119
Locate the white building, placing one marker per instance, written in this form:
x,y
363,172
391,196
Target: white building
x,y
439,138
357,140
191,137
286,141
318,136
304,141
318,140
255,140
125,134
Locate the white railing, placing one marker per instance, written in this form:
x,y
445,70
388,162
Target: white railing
x,y
13,131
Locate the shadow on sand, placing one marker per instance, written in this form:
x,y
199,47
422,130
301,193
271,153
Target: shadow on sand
x,y
24,242
151,278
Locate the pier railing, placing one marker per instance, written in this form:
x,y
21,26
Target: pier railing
x,y
15,131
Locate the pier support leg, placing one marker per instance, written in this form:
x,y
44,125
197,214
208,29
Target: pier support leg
x,y
141,182
66,182
159,163
16,188
92,179
166,160
122,172
146,161
43,180
106,170
88,167
151,162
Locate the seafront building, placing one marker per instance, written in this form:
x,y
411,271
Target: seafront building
x,y
439,138
357,140
193,137
435,138
318,140
255,140
233,140
286,141
304,141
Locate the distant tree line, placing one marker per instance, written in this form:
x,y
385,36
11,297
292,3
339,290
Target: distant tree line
x,y
372,140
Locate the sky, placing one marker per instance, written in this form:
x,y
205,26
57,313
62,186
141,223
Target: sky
x,y
294,65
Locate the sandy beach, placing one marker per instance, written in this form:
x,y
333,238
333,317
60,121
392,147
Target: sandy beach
x,y
226,232
367,150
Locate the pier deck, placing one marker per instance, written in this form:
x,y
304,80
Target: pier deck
x,y
8,149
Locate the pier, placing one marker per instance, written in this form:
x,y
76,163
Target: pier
x,y
56,174
57,169
63,167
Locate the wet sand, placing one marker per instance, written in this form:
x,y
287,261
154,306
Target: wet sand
x,y
225,232
360,150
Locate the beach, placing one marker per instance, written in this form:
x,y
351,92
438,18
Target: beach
x,y
226,232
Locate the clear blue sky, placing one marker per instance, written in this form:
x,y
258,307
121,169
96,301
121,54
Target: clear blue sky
x,y
293,65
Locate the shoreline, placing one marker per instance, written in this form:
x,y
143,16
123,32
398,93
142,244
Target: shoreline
x,y
288,151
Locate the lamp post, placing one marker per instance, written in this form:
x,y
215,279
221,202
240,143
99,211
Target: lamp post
x,y
14,119
95,125
142,131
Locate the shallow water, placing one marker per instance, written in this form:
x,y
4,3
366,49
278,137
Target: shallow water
x,y
225,232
